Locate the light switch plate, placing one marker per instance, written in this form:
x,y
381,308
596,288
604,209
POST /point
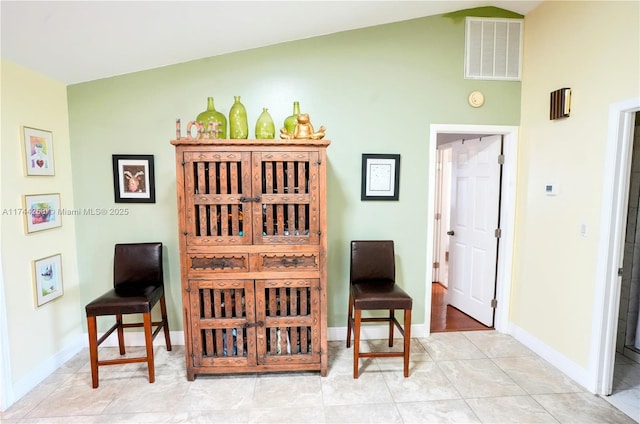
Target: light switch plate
x,y
551,189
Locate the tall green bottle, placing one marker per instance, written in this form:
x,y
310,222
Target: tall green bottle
x,y
212,115
290,122
265,128
238,127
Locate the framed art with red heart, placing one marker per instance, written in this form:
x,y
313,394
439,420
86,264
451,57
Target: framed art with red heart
x,y
38,149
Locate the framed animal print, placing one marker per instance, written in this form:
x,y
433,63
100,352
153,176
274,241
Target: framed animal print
x,y
133,179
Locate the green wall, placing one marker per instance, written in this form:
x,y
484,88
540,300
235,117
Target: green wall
x,y
376,90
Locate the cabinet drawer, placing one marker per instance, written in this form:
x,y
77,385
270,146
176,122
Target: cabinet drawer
x,y
218,262
287,262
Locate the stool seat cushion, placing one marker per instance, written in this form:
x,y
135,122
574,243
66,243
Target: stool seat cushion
x,y
132,300
377,294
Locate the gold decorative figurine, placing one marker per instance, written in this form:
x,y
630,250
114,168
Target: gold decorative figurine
x,y
303,129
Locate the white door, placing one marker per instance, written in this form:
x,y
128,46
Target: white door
x,y
475,197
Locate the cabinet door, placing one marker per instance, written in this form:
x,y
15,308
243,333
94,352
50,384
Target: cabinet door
x,y
217,186
287,211
288,311
222,322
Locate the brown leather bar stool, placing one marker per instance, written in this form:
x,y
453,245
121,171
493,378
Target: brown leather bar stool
x,y
373,286
138,285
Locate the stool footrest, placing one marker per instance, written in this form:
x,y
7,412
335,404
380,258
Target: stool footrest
x,y
381,354
122,361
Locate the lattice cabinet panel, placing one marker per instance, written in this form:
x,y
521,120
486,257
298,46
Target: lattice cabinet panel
x,y
215,187
224,314
286,185
253,249
289,310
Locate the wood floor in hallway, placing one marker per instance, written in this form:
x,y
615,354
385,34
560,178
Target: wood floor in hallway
x,y
447,318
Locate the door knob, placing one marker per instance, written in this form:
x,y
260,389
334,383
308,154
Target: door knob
x,y
450,233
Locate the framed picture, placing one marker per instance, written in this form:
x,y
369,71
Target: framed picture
x,y
41,212
133,179
38,149
380,176
47,274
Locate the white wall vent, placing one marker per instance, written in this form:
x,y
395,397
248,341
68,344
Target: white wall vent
x,y
493,48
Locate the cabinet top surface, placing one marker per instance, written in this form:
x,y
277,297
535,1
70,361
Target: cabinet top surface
x,y
185,141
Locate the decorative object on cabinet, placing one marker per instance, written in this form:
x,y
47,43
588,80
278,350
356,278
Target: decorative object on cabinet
x,y
38,149
372,286
291,121
303,129
133,179
560,104
42,212
253,240
138,286
47,277
380,176
238,127
200,132
212,116
265,128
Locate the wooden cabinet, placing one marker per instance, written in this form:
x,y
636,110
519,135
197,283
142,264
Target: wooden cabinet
x,y
252,233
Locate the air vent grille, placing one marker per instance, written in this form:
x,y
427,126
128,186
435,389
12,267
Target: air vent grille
x,y
493,48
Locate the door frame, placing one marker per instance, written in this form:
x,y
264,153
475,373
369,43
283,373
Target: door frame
x,y
507,212
615,197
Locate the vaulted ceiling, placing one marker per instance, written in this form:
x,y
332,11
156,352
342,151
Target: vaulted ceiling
x,y
78,41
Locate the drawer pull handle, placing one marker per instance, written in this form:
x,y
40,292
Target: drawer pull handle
x,y
293,261
249,199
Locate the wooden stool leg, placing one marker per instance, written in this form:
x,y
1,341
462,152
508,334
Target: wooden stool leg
x,y
165,322
407,340
356,342
149,343
93,349
392,324
120,334
349,321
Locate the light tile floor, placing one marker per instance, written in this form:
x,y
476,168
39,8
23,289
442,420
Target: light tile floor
x,y
466,377
626,387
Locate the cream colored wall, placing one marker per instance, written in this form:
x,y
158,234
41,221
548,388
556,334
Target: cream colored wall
x,y
376,90
593,48
35,335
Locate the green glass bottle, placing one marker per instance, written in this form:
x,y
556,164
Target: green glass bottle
x,y
212,115
265,128
238,127
291,121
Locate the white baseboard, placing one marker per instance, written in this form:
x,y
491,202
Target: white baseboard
x,y
574,371
373,332
368,332
136,338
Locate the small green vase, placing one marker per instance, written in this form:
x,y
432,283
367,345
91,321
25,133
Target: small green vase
x,y
212,115
265,128
291,121
238,127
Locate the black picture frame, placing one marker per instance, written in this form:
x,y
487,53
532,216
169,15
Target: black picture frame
x,y
380,176
133,179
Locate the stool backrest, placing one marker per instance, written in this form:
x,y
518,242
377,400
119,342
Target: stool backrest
x,y
137,265
372,260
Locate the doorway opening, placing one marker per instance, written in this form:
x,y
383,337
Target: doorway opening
x,y
507,186
616,200
628,342
466,235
